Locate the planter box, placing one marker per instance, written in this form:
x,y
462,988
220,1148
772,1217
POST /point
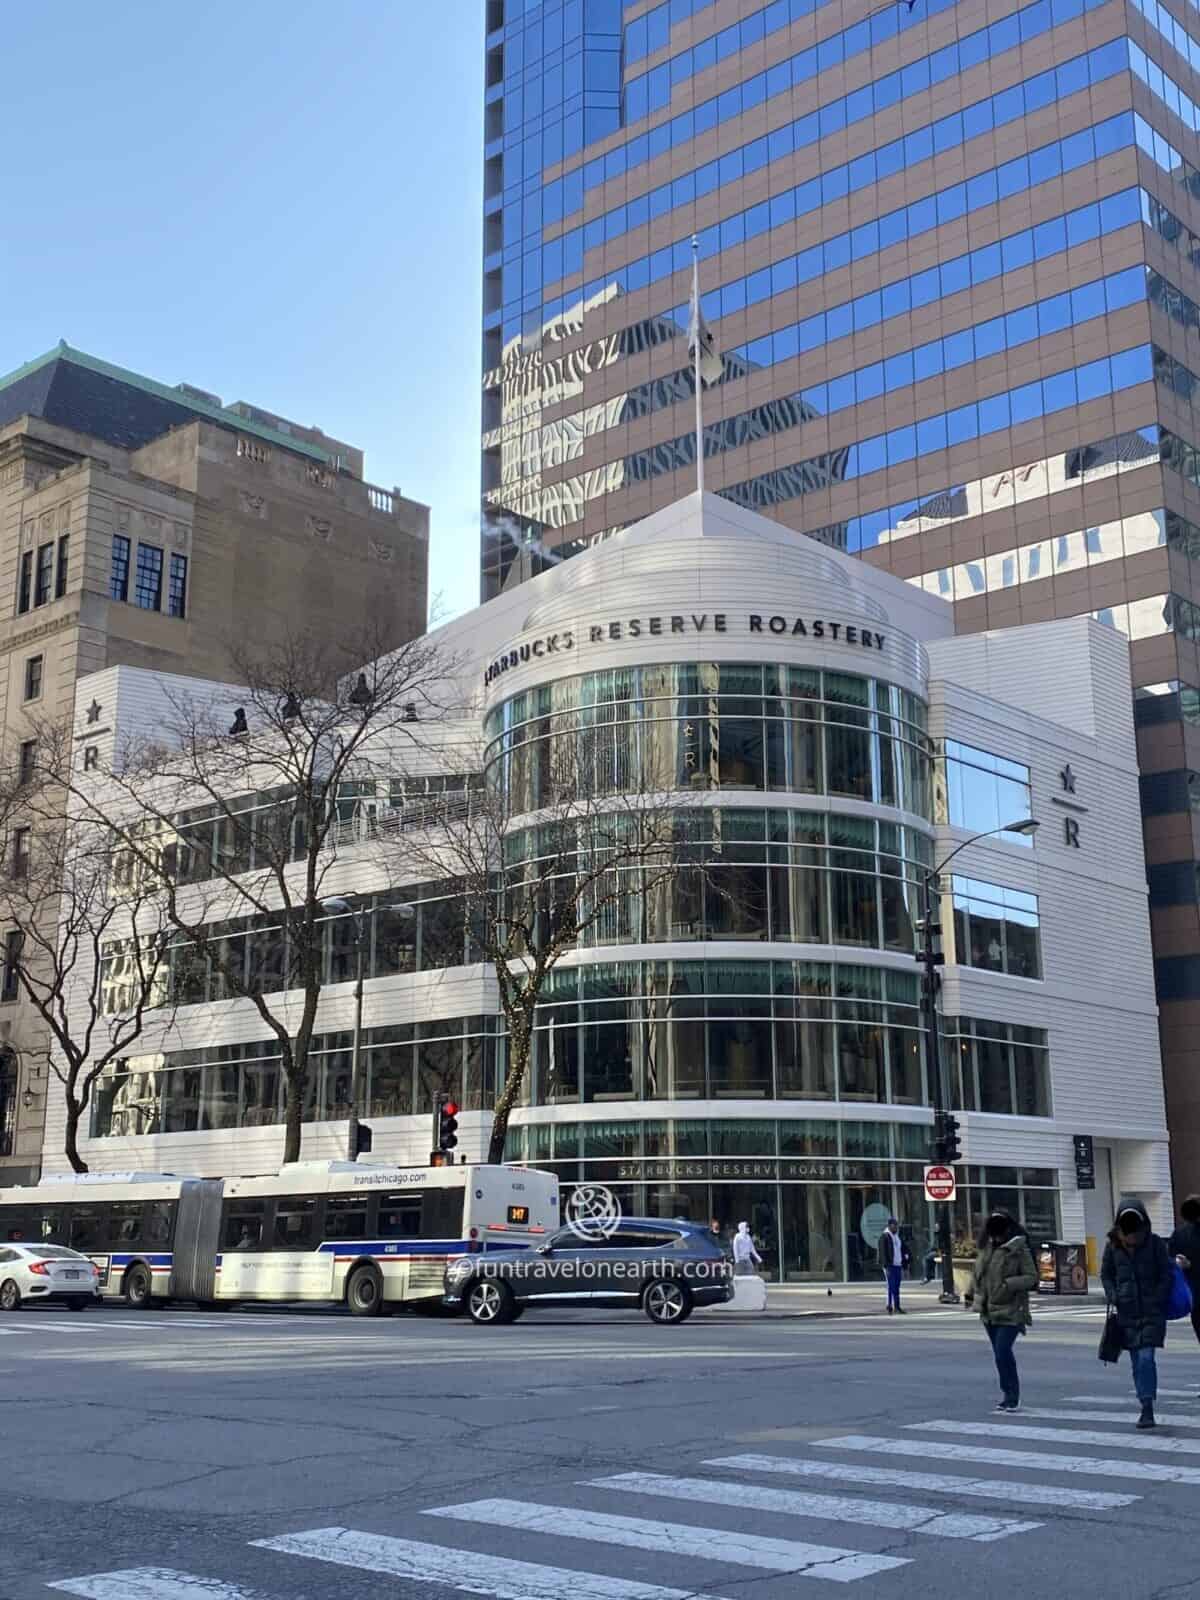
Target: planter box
x,y
964,1273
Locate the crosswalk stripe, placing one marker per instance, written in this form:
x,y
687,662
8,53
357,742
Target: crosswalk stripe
x,y
98,1323
1122,1400
1027,1460
150,1583
1039,1494
680,1539
830,1508
1169,1420
1018,1430
465,1570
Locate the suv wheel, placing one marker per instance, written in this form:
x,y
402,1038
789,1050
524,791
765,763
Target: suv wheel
x,y
668,1301
490,1300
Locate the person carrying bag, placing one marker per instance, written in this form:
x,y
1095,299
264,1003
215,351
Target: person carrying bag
x,y
1138,1277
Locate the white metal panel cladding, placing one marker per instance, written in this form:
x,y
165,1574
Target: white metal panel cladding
x,y
1071,723
1034,667
698,521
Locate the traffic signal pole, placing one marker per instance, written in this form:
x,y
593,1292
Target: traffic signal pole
x,y
352,1124
946,1149
930,959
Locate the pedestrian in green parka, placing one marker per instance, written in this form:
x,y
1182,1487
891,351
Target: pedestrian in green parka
x,y
1004,1275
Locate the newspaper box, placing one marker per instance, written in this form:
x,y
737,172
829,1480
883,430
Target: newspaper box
x,y
1062,1268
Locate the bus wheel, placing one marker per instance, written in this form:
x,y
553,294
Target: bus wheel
x,y
490,1300
139,1291
364,1292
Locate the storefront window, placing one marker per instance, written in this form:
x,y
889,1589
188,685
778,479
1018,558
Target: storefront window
x,y
803,1057
704,725
770,1030
790,877
242,1086
757,1204
997,1067
996,928
981,792
811,1235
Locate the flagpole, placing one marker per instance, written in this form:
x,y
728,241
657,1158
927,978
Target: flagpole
x,y
696,363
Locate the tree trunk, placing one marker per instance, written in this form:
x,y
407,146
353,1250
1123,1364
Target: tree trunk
x,y
520,1041
293,1116
71,1138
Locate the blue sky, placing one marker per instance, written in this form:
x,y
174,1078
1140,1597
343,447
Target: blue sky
x,y
276,201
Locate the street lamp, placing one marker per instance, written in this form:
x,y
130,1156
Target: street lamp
x,y
930,957
339,906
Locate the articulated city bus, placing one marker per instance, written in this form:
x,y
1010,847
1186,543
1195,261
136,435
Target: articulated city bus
x,y
363,1234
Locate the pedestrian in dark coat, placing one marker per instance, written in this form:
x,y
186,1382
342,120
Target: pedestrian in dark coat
x,y
1136,1274
1184,1245
895,1256
1005,1272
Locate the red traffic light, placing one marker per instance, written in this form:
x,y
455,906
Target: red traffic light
x,y
449,1109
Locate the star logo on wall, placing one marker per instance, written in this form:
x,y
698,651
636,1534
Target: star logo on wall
x,y
93,712
1068,780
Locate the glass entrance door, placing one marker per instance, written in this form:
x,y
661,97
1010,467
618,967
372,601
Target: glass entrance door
x,y
810,1236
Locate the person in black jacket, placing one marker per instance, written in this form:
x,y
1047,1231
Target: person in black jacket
x,y
1184,1245
1136,1273
894,1257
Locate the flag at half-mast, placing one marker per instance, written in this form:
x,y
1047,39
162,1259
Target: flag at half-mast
x,y
700,340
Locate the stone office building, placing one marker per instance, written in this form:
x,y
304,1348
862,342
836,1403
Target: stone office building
x,y
154,526
749,1046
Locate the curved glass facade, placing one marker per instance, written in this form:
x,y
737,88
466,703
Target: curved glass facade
x,y
715,725
766,1030
712,1031
792,877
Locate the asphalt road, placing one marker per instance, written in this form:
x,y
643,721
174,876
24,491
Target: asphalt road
x,y
290,1456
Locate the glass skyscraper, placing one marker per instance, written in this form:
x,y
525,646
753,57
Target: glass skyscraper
x,y
949,254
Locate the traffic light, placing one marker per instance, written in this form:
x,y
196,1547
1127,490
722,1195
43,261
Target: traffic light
x,y
930,935
363,1139
952,1135
947,1140
445,1131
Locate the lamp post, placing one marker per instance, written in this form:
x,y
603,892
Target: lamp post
x,y
339,906
930,958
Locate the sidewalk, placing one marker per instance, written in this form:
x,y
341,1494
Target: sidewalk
x,y
812,1301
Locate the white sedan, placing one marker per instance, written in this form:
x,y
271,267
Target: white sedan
x,y
34,1272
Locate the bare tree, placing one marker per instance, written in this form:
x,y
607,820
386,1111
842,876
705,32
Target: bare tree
x,y
232,817
564,847
91,983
